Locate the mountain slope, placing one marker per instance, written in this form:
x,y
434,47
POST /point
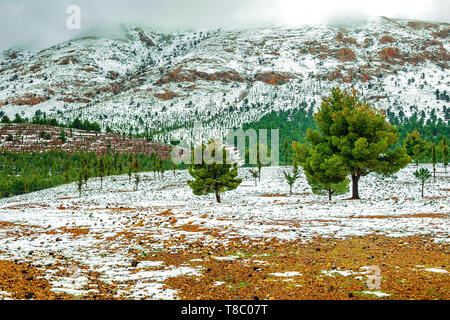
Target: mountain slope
x,y
141,80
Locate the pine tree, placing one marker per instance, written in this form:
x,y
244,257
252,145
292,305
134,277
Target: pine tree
x,y
325,171
80,181
173,166
360,136
286,152
433,160
292,177
85,170
136,165
137,179
136,168
260,159
130,166
255,174
161,167
66,173
26,186
62,136
444,148
216,177
415,147
101,171
154,162
423,175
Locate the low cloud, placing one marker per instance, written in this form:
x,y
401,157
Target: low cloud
x,y
43,23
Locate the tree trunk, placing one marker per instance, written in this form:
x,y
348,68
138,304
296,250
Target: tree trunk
x,y
330,192
218,197
355,193
423,184
290,190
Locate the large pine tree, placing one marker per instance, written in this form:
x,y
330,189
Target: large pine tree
x,y
359,135
325,171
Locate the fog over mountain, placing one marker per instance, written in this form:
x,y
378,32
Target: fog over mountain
x,y
43,23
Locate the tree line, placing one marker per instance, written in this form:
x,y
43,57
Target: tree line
x,y
351,140
28,172
41,119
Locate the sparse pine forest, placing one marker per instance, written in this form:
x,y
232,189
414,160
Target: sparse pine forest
x,y
305,140
28,172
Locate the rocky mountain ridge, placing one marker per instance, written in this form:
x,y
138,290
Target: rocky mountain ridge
x,y
143,80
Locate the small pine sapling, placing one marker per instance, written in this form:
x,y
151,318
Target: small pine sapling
x,y
85,171
433,160
101,171
292,177
255,175
136,168
80,181
173,166
137,179
444,148
422,175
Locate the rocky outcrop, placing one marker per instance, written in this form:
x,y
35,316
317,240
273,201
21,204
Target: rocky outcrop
x,y
350,41
421,25
166,95
145,39
389,54
273,78
66,60
387,39
75,100
345,55
443,34
181,75
27,100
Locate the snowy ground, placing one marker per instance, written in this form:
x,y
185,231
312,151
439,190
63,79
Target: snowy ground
x,y
58,231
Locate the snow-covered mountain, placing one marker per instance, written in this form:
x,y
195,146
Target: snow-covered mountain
x,y
139,79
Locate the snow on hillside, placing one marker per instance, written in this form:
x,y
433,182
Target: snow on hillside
x,y
30,138
141,79
104,230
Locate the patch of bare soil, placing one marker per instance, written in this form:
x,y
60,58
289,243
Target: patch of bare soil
x,y
403,216
249,276
271,195
22,281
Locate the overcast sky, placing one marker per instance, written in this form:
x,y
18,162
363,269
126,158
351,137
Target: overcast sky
x,y
42,23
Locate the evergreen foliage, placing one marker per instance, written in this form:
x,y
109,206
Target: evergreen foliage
x,y
444,148
29,172
356,137
415,147
255,175
292,177
213,176
324,170
422,175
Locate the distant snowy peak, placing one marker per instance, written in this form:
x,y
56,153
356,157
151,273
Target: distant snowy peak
x,y
139,79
